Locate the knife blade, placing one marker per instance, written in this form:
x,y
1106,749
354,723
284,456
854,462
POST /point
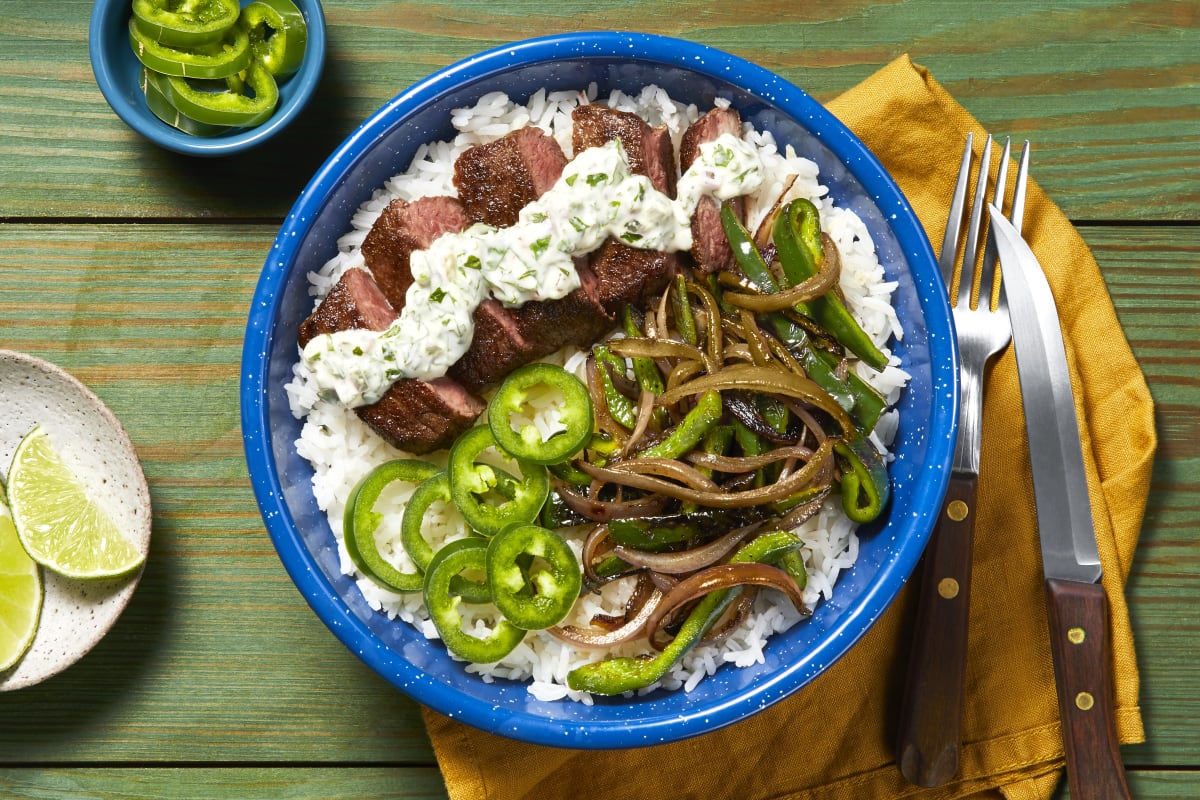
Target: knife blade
x,y
1076,603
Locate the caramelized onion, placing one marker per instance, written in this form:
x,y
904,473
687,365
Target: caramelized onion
x,y
719,499
739,464
605,510
685,561
719,577
769,381
634,626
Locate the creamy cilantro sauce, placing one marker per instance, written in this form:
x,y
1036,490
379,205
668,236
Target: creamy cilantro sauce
x,y
596,197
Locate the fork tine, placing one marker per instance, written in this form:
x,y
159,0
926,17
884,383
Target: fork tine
x,y
987,270
1017,215
971,252
954,222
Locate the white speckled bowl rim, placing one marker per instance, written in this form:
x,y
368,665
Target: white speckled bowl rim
x,y
76,614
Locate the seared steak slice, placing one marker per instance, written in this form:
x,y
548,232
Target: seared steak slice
x,y
355,301
497,348
496,180
422,416
580,318
417,416
626,274
648,150
710,248
402,228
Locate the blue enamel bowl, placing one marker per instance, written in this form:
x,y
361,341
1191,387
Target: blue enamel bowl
x,y
118,72
383,146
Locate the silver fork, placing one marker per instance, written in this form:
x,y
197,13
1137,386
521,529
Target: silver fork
x,y
931,714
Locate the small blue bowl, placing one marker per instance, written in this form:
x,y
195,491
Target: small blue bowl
x,y
384,145
117,72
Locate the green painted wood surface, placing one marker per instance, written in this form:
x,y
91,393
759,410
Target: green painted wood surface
x,y
136,271
1107,89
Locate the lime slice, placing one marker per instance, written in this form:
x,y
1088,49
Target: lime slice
x,y
62,528
20,594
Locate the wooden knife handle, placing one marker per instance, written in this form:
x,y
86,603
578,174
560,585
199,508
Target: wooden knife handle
x,y
931,713
1079,643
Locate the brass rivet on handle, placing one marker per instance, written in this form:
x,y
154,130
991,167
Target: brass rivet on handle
x,y
1076,635
1084,701
957,510
948,588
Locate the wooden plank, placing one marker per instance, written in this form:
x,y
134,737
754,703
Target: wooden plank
x,y
1105,89
1152,274
242,783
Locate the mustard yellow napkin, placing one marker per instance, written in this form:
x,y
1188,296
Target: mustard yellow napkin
x,y
834,738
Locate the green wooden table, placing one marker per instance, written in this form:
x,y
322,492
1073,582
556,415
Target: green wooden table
x,y
133,268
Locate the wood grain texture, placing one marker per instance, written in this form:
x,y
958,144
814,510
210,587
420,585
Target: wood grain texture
x,y
927,750
1107,90
1153,275
1082,674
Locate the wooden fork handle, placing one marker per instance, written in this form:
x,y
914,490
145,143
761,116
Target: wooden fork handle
x,y
931,712
1082,663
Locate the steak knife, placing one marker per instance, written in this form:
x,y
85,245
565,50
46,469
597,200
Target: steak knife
x,y
1077,605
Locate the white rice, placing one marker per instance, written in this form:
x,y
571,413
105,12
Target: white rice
x,y
342,449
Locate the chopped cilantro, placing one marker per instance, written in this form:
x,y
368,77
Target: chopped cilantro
x,y
437,295
540,246
473,262
596,178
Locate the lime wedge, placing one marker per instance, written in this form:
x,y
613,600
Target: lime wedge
x,y
20,594
61,527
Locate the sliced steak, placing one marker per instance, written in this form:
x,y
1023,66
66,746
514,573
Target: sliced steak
x,y
648,150
579,319
355,301
627,275
497,348
422,416
507,338
402,228
710,248
417,416
496,180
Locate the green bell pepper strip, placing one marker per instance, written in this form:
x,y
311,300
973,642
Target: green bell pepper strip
x,y
278,34
474,486
620,407
690,431
443,604
532,596
645,371
226,57
867,404
361,521
567,472
185,23
685,321
242,103
652,535
619,675
864,482
797,237
161,107
575,414
745,252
